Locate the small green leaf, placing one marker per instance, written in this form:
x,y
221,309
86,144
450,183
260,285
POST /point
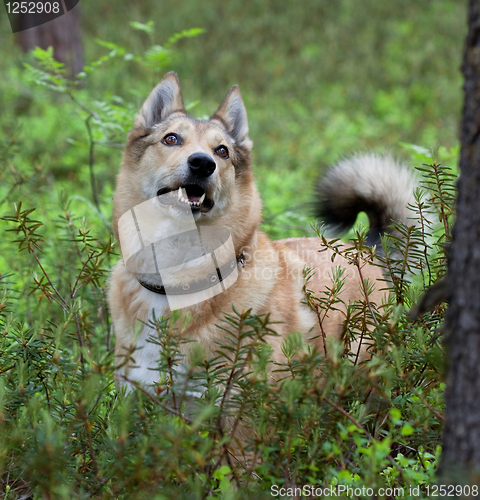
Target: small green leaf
x,y
147,28
407,430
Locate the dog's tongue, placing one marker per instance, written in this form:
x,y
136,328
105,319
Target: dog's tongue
x,y
192,197
194,194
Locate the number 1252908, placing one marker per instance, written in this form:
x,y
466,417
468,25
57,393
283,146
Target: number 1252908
x,y
33,7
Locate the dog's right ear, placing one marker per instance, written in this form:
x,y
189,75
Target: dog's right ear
x,y
164,99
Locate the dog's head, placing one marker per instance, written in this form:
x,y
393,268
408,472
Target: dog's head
x,y
190,165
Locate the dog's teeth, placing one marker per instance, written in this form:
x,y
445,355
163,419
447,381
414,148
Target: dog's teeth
x,y
182,199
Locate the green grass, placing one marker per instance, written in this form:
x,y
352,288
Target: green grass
x,y
320,80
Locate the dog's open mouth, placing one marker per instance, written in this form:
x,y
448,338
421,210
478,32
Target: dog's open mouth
x,y
192,196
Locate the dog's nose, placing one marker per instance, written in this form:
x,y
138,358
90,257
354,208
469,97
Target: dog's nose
x,y
201,164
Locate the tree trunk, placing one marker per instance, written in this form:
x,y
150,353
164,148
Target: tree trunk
x,y
461,445
63,34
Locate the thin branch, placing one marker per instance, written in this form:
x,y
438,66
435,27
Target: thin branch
x,y
424,401
109,144
156,400
90,442
63,303
91,162
288,209
15,185
80,340
364,288
75,289
355,422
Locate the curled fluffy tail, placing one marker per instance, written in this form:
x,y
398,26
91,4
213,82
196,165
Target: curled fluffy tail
x,y
378,185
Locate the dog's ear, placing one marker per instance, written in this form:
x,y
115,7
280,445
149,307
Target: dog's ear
x,y
164,99
233,116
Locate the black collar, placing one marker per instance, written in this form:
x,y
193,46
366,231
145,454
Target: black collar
x,y
210,280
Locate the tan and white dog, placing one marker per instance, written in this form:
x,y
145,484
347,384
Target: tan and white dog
x,y
182,179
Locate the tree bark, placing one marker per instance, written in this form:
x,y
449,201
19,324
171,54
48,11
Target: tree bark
x,y
460,462
64,34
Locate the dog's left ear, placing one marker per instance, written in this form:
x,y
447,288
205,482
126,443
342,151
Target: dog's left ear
x,y
164,99
233,116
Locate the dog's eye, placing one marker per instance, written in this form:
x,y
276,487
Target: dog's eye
x,y
222,151
170,140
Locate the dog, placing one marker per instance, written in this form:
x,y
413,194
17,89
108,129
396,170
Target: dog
x,y
186,196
